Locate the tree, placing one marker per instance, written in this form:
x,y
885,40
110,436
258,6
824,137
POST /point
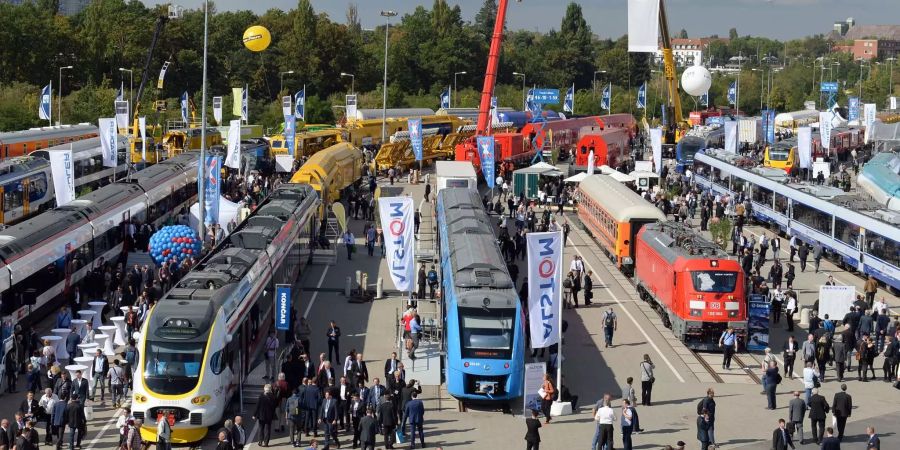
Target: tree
x,y
576,52
732,33
353,23
683,34
485,19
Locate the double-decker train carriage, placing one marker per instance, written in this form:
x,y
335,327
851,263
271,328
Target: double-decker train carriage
x,y
19,143
484,325
614,214
200,342
43,257
691,283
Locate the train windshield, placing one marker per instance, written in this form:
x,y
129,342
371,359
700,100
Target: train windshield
x,y
714,281
173,368
486,334
688,148
779,153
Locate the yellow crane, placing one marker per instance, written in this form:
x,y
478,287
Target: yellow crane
x,y
675,124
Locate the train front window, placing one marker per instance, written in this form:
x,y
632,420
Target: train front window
x,y
173,368
779,153
714,281
689,148
486,334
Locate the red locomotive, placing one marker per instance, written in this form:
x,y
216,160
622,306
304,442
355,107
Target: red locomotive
x,y
609,142
691,283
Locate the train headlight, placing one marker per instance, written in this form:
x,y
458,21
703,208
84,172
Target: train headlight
x,y
200,400
732,313
140,398
696,312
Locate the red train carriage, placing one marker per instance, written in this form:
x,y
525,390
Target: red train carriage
x,y
18,143
691,283
610,147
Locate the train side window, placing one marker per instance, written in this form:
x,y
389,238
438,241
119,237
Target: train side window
x,y
38,187
812,217
12,196
885,249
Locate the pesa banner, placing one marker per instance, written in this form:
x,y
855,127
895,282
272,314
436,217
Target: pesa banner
x,y
397,220
544,287
63,172
108,141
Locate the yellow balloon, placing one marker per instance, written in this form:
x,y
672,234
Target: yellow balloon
x,y
257,38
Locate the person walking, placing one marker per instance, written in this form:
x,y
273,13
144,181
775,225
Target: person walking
x,y
272,345
387,418
101,368
708,404
116,377
547,392
76,422
796,414
350,241
610,325
818,409
873,441
334,341
629,394
647,380
790,355
818,251
415,411
533,436
830,442
772,379
627,423
703,430
265,414
728,342
163,434
328,417
802,254
588,286
870,289
605,418
368,430
842,407
781,437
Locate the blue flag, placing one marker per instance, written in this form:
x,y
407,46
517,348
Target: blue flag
x,y
44,108
212,188
184,108
642,96
769,119
290,132
121,94
300,104
732,93
569,102
486,153
704,99
415,137
245,99
445,98
852,108
605,98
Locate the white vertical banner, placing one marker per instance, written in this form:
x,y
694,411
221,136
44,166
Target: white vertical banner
x,y
804,146
350,106
590,169
142,125
233,157
643,26
121,107
63,171
656,145
396,215
217,109
893,102
825,127
545,260
287,108
869,111
108,141
731,136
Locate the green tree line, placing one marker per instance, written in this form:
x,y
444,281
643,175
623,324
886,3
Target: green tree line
x,y
426,47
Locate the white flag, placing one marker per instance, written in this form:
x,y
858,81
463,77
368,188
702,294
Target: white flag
x,y
869,112
590,169
825,127
893,101
45,108
804,146
63,171
217,109
287,108
643,26
545,261
142,124
108,141
731,136
656,145
233,157
121,107
397,221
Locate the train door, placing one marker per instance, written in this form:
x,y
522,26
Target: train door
x,y
26,202
2,206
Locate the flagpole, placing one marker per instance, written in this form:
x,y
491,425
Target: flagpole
x,y
50,118
201,168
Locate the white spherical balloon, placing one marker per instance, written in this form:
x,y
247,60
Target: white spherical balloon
x,y
696,80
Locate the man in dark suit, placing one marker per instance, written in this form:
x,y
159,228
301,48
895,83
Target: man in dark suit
x,y
29,407
5,442
533,436
326,374
328,416
310,402
76,422
830,442
308,368
265,414
15,427
334,341
796,414
818,409
363,393
356,410
395,386
872,442
344,391
588,291
703,430
391,365
237,433
387,417
843,408
781,438
415,411
80,387
376,393
359,370
368,430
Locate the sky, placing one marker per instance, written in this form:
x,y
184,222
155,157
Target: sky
x,y
778,19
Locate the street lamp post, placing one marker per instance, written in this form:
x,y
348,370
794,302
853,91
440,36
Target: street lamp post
x,y
387,22
524,101
891,76
594,83
352,81
454,86
281,80
130,85
59,105
201,168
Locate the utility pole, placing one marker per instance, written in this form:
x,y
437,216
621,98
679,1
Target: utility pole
x,y
387,15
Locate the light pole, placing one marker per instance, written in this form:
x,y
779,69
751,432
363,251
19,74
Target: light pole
x,y
201,168
891,76
454,85
352,81
59,105
524,101
594,83
387,26
281,80
859,80
130,85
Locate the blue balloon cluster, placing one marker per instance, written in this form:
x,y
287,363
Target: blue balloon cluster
x,y
178,241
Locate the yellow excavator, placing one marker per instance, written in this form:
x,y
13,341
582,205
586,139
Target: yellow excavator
x,y
136,144
674,124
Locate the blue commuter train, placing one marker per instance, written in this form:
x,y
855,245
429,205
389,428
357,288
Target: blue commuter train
x,y
700,138
484,324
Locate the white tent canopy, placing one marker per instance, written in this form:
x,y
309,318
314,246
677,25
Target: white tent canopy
x,y
577,178
228,211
